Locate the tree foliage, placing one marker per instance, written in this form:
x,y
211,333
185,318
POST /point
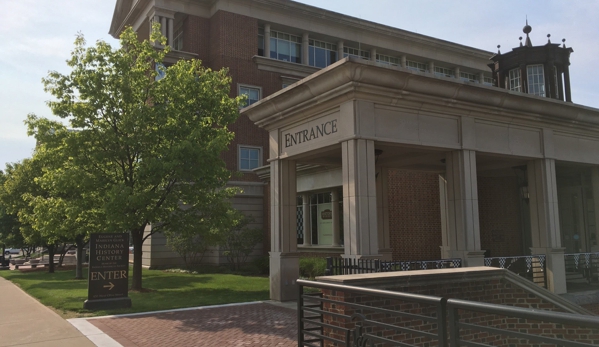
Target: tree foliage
x,y
137,148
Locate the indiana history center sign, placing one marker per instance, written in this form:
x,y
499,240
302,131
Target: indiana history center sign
x,y
108,277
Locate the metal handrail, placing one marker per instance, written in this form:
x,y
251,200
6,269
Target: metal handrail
x,y
453,305
447,319
360,320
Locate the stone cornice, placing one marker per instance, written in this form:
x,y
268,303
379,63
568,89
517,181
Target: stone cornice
x,y
353,78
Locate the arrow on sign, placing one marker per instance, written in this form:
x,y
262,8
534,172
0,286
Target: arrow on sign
x,y
109,286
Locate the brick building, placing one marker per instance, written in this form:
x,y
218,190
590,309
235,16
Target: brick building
x,y
522,151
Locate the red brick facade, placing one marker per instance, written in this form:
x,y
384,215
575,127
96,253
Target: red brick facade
x,y
414,215
499,214
231,40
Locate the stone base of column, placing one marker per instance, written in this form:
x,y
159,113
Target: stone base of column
x,y
386,254
556,268
284,271
469,258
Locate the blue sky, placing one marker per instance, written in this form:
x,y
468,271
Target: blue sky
x,y
37,36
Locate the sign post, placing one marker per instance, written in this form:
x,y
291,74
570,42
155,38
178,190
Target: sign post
x,y
108,277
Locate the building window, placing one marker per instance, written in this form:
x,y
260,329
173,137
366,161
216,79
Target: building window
x,y
261,42
178,38
385,59
416,66
285,47
536,79
468,77
249,158
441,71
348,51
488,81
322,54
515,80
252,93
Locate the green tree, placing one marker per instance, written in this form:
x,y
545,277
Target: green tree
x,y
20,186
10,232
65,213
147,146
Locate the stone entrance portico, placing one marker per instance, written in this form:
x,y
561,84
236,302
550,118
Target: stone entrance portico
x,y
362,118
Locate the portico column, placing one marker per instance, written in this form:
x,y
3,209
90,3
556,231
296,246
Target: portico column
x,y
382,207
335,211
307,220
305,49
267,40
359,199
170,24
340,50
462,238
163,25
284,259
544,221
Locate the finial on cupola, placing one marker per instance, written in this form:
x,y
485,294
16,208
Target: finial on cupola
x,y
498,51
520,38
548,38
564,42
527,29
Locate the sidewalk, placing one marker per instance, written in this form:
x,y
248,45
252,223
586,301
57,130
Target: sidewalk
x,y
26,322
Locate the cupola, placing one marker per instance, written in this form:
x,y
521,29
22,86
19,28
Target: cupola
x,y
539,70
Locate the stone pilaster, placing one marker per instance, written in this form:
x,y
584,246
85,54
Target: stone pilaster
x,y
359,199
284,259
544,221
462,237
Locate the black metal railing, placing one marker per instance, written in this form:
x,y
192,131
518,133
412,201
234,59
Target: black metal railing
x,y
582,267
325,322
531,267
346,317
346,266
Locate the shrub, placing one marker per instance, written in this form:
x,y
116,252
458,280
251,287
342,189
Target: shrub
x,y
240,241
262,265
312,267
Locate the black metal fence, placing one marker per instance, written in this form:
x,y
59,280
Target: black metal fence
x,y
582,267
347,266
531,267
419,320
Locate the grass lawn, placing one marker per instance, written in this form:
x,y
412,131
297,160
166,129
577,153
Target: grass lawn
x,y
169,290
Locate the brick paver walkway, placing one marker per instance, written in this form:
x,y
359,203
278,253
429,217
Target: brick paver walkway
x,y
250,325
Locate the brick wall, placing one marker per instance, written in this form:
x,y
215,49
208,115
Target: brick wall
x,y
414,215
592,307
499,214
494,291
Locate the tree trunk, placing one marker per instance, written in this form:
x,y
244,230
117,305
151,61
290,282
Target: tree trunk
x,y
137,236
79,267
63,252
51,259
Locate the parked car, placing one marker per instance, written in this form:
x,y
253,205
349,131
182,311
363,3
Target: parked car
x,y
9,251
131,250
